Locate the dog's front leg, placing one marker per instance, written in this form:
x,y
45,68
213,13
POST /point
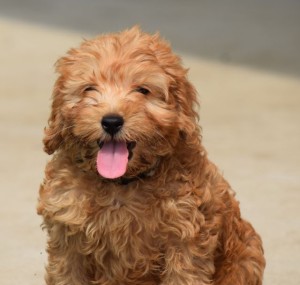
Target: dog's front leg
x,y
184,268
65,265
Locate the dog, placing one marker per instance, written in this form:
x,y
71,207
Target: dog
x,y
130,196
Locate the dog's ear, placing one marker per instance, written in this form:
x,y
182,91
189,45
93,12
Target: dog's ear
x,y
53,132
180,88
66,67
186,101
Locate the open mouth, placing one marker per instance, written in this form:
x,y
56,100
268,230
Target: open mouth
x,y
113,157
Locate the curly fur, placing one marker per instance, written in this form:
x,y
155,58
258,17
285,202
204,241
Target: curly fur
x,y
180,223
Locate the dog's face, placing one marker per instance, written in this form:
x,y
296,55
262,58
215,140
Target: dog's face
x,y
126,97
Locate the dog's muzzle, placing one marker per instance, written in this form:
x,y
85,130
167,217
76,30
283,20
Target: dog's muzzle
x,y
114,154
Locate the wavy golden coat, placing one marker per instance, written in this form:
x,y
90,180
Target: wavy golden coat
x,y
171,218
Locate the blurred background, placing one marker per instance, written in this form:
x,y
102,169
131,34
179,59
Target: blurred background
x,y
244,61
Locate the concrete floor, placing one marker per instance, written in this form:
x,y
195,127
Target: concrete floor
x,y
250,119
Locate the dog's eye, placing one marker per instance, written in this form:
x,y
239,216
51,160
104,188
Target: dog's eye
x,y
142,90
90,88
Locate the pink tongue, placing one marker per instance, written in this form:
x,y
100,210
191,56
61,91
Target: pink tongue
x,y
112,159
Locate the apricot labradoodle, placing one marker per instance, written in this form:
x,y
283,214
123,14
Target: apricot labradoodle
x,y
129,196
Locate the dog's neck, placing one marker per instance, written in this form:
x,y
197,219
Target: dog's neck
x,y
139,177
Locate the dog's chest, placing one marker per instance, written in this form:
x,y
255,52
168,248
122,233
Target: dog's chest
x,y
138,219
127,221
125,233
132,231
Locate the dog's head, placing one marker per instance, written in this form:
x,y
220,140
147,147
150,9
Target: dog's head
x,y
125,96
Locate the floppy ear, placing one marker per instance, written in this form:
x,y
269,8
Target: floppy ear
x,y
186,99
183,91
53,133
56,131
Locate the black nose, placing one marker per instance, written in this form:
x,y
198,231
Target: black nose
x,y
112,124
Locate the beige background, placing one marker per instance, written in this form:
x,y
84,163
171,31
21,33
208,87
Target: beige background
x,y
250,115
